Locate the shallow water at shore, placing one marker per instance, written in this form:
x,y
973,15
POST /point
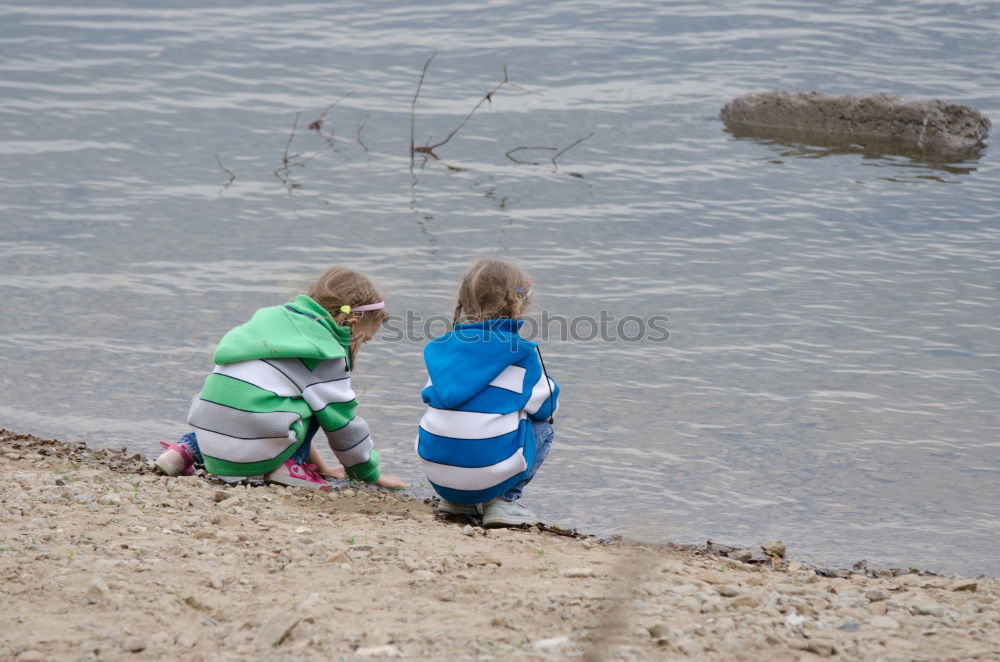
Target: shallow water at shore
x,y
831,373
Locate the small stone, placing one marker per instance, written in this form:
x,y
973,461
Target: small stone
x,y
162,638
774,548
98,591
223,520
230,502
745,601
422,576
550,644
467,530
386,650
965,585
821,648
884,623
928,609
195,603
486,559
688,646
577,572
338,557
741,555
221,495
794,620
658,631
718,548
362,548
134,644
90,646
187,640
876,595
276,628
728,591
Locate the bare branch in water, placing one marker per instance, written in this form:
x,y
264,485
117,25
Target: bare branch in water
x,y
317,124
288,161
563,151
285,160
232,175
517,149
413,106
361,127
429,149
558,153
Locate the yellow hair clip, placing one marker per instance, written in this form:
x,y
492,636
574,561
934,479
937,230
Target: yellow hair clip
x,y
345,309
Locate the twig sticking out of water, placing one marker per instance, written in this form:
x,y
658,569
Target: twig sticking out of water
x,y
286,161
317,124
291,161
558,152
232,175
566,149
429,148
518,149
413,107
361,127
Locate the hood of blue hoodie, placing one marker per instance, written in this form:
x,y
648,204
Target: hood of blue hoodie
x,y
463,362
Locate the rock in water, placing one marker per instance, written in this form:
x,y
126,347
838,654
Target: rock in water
x,y
774,548
927,124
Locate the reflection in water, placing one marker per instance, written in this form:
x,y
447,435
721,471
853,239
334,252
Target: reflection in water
x,y
796,143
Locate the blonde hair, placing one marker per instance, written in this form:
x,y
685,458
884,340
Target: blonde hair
x,y
340,286
491,289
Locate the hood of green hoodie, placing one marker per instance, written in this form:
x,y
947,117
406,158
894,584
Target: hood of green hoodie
x,y
300,329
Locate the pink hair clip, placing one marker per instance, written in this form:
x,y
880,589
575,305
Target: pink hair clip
x,y
360,309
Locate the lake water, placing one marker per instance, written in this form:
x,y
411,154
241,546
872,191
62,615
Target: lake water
x,y
832,376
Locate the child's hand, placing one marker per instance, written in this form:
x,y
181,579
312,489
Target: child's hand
x,y
335,472
391,482
322,467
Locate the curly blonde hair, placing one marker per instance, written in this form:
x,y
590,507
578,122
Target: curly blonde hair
x,y
340,286
492,289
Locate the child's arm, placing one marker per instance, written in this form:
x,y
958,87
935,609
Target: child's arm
x,y
544,399
348,434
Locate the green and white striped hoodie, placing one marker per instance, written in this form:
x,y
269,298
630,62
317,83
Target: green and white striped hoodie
x,y
272,375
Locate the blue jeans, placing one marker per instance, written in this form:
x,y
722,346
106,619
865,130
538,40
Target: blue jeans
x,y
300,456
543,440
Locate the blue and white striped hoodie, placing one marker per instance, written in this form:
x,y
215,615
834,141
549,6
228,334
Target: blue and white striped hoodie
x,y
486,386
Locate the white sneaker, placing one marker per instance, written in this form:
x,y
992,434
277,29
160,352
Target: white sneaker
x,y
175,460
452,508
498,513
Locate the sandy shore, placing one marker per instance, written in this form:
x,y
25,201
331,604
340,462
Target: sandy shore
x,y
103,560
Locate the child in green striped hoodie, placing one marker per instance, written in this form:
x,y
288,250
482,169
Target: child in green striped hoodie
x,y
280,378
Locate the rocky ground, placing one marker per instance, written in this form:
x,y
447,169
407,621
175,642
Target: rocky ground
x,y
102,560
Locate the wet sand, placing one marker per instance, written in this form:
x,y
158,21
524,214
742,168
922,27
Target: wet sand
x,y
103,560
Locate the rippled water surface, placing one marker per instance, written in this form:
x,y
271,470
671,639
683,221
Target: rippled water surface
x,y
833,368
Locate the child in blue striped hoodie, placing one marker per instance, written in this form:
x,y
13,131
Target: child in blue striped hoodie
x,y
490,402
